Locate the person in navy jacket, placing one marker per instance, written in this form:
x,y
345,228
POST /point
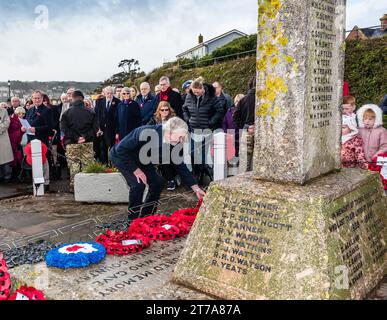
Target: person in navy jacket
x,y
106,110
40,119
146,102
130,156
128,115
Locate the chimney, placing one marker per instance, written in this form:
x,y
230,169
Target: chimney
x,y
201,39
384,22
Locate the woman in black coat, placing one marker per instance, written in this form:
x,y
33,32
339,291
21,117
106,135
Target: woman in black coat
x,y
128,115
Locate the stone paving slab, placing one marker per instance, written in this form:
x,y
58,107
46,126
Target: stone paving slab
x,y
143,276
28,216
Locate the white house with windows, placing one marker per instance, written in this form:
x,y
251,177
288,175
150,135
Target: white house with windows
x,y
207,47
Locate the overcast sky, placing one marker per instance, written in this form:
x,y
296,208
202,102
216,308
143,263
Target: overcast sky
x,y
83,40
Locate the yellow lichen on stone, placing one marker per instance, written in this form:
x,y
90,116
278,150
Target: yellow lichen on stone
x,y
289,59
274,61
272,37
283,41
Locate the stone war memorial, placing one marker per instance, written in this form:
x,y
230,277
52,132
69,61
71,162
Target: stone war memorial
x,y
297,227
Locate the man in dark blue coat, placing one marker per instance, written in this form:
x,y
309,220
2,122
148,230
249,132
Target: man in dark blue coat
x,y
131,157
40,119
146,102
106,110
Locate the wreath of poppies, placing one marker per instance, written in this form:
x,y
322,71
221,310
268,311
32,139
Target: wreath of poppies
x,y
28,293
5,280
163,227
156,228
144,230
76,255
123,243
379,164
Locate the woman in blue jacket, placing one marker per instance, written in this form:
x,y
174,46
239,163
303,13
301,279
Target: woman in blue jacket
x,y
128,115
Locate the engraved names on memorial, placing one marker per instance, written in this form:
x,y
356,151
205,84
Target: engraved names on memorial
x,y
322,39
244,239
362,229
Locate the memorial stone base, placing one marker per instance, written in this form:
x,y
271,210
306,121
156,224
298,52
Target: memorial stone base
x,y
263,240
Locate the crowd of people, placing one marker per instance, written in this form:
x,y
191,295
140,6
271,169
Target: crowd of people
x,y
79,131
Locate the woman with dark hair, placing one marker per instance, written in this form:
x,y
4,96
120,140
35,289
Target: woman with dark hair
x,y
28,105
134,92
47,101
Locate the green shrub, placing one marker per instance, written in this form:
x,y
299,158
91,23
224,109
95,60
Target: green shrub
x,y
247,43
98,168
365,69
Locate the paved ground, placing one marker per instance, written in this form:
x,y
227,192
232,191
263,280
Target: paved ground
x,y
56,215
58,218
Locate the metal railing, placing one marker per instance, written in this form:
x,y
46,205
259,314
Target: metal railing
x,y
215,60
239,54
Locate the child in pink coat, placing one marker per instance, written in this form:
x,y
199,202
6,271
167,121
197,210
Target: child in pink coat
x,y
370,119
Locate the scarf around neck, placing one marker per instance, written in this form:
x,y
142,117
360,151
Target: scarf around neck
x,y
165,95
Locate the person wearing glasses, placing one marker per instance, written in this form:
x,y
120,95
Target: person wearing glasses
x,y
163,113
128,114
167,94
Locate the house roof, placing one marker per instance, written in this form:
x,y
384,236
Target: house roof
x,y
206,43
371,32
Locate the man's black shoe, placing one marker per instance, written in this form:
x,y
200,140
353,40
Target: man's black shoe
x,y
171,186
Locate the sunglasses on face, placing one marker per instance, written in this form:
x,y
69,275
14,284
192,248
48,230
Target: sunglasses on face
x,y
125,93
164,110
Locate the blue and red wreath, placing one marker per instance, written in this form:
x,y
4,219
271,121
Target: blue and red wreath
x,y
379,164
123,243
5,280
76,255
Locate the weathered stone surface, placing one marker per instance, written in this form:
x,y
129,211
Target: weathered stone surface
x,y
101,188
263,240
299,89
145,275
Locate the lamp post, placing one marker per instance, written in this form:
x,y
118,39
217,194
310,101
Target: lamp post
x,y
9,89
